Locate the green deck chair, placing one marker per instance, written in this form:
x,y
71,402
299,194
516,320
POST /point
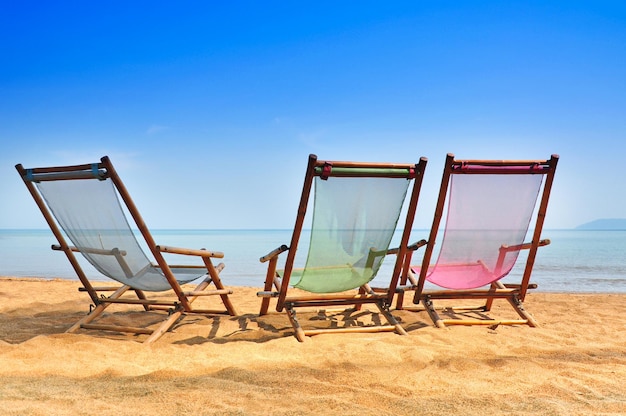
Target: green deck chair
x,y
357,207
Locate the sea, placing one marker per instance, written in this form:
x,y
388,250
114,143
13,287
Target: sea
x,y
576,261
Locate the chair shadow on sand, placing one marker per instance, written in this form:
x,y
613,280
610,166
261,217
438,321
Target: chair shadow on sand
x,y
259,329
23,324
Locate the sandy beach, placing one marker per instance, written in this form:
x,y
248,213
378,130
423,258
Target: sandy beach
x,y
574,363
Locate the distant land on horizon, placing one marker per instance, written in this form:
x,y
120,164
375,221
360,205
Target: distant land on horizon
x,y
604,224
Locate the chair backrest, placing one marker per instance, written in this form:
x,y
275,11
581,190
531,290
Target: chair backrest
x,y
356,210
86,205
490,206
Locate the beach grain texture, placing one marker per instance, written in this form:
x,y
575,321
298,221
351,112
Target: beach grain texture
x,y
573,364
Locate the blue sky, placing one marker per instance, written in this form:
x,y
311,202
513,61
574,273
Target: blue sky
x,y
210,109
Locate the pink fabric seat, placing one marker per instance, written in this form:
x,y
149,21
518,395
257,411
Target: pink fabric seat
x,y
485,212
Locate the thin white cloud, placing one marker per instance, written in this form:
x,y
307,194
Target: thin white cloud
x,y
155,128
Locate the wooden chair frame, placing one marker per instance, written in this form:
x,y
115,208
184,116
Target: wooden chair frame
x,y
382,298
513,293
175,308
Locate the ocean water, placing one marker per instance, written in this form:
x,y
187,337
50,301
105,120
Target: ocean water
x,y
576,261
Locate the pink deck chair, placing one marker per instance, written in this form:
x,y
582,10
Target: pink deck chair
x,y
489,208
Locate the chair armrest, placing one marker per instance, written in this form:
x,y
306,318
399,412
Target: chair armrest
x,y
411,247
273,253
190,252
524,246
182,266
417,244
111,252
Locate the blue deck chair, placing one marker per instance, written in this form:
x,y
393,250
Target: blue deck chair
x,y
85,204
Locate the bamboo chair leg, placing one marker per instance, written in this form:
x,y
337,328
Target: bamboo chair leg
x,y
517,304
265,305
489,301
521,311
164,327
97,311
176,315
215,277
270,279
362,291
527,319
299,332
172,318
430,308
142,296
390,318
400,301
265,302
406,276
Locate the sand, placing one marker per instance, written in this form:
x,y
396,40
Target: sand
x,y
574,363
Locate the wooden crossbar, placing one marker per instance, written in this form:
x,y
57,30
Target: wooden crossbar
x,y
352,329
209,293
207,312
470,294
117,328
190,252
369,297
267,294
101,288
330,302
486,322
41,177
149,302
